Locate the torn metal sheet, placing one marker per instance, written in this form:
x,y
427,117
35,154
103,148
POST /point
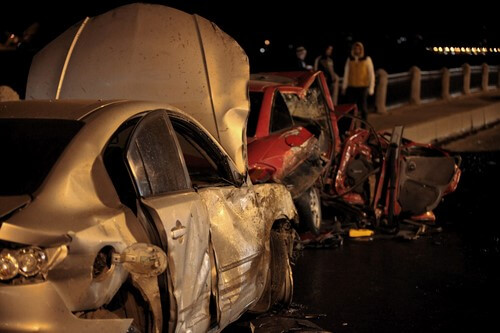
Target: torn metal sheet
x,y
240,223
424,181
306,172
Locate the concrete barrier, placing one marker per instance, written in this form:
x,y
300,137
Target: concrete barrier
x,y
438,129
414,90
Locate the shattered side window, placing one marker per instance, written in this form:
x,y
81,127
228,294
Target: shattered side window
x,y
312,106
154,159
280,115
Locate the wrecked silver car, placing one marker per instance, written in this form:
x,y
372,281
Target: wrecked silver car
x,y
121,215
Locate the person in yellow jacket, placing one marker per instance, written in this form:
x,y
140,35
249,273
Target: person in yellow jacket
x,y
359,78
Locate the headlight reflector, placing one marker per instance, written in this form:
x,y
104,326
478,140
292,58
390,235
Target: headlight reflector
x,y
9,267
31,260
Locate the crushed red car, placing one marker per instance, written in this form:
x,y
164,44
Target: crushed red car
x,y
321,153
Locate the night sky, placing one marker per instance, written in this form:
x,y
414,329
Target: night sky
x,y
394,41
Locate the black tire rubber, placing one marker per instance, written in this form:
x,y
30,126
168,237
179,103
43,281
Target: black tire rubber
x,y
309,209
281,272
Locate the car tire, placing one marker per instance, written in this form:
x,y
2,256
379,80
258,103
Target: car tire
x,y
309,209
281,271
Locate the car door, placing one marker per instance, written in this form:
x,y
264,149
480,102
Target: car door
x,y
176,211
238,231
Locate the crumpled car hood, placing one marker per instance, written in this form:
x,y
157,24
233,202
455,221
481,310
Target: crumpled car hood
x,y
153,53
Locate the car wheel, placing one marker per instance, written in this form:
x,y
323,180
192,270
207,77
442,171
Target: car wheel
x,y
281,271
309,209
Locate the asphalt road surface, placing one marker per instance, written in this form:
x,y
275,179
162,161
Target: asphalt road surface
x,y
483,141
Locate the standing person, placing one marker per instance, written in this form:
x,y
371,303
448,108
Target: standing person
x,y
325,63
300,62
359,78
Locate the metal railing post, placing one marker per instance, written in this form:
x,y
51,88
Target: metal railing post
x,y
415,85
466,73
485,76
381,91
498,77
445,83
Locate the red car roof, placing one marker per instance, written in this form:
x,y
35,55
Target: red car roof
x,y
260,81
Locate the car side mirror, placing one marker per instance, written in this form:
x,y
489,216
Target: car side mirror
x,y
142,259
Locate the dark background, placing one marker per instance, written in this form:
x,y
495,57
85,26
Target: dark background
x,y
395,35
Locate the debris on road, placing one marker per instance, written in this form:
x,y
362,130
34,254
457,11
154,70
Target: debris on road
x,y
293,319
324,240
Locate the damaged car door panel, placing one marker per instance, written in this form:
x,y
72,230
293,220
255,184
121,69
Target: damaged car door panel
x,y
166,194
236,213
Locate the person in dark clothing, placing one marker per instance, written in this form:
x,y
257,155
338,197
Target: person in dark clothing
x,y
359,78
325,63
300,62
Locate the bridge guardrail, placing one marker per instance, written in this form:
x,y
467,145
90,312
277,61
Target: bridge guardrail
x,y
416,86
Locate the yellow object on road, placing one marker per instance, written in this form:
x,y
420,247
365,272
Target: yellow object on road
x,y
353,233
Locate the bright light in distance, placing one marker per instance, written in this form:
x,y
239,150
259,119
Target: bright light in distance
x,y
267,42
457,50
262,50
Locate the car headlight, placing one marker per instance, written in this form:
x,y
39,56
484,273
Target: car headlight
x,y
27,261
31,260
9,267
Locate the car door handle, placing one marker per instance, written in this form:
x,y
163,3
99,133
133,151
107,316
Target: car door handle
x,y
178,231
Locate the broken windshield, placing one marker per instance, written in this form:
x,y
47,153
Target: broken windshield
x,y
312,111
